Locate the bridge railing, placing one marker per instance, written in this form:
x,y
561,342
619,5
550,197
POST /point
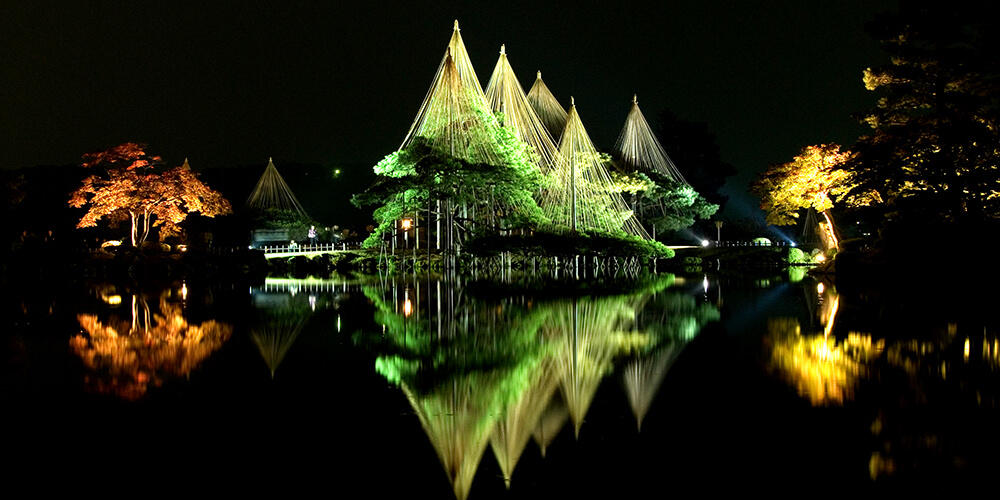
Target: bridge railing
x,y
319,247
744,243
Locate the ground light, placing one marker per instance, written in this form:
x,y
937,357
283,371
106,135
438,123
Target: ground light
x,y
705,243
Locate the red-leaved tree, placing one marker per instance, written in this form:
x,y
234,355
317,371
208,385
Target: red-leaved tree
x,y
131,184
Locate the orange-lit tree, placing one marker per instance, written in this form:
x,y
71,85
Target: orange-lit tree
x,y
808,181
131,184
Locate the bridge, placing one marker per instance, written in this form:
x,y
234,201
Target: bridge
x,y
310,251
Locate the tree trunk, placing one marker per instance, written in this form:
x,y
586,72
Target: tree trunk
x,y
831,229
132,215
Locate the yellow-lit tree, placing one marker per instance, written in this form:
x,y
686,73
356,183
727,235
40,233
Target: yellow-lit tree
x,y
132,185
808,181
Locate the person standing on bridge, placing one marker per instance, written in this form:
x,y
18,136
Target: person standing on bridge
x,y
312,235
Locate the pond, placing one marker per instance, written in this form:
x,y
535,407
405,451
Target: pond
x,y
516,387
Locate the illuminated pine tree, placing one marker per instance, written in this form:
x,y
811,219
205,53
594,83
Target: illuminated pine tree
x,y
445,95
581,195
505,95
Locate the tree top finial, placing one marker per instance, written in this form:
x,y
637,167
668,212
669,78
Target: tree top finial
x,y
456,25
572,101
635,100
503,49
539,74
270,160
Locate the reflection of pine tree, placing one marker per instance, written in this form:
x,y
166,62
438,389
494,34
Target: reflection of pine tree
x,y
489,371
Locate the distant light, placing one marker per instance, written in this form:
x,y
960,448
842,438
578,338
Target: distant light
x,y
820,288
793,244
820,258
705,243
407,307
406,224
704,283
184,291
112,299
336,172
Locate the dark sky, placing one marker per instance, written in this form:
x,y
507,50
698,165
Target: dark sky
x,y
339,82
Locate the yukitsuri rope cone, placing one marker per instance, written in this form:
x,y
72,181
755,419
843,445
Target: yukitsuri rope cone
x,y
504,94
547,107
639,149
273,192
581,193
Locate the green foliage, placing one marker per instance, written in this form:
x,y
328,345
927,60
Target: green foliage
x,y
797,256
662,202
500,193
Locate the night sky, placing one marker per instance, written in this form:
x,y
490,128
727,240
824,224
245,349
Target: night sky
x,y
338,83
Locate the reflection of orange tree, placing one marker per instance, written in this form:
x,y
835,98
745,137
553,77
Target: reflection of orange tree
x,y
127,356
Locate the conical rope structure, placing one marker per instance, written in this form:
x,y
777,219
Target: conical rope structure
x,y
454,120
638,148
547,107
454,96
272,192
504,94
581,194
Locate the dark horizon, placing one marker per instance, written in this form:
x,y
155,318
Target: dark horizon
x,y
324,84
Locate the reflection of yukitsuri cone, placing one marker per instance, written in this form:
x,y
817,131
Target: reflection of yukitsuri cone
x,y
643,377
275,336
547,107
551,422
581,194
513,431
638,148
272,192
587,329
505,95
458,426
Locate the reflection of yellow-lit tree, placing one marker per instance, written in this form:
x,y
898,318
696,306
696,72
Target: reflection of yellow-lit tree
x,y
127,356
822,368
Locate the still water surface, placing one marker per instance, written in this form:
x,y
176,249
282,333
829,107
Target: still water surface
x,y
471,390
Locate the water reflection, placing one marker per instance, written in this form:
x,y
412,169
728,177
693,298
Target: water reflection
x,y
281,309
501,371
924,381
126,354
